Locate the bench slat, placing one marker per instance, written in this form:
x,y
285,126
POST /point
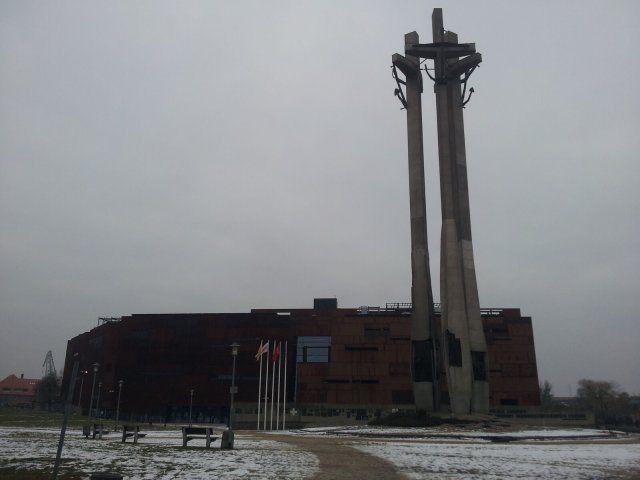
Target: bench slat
x,y
190,433
131,431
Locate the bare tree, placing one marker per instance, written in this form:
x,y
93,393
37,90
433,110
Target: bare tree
x,y
605,400
546,394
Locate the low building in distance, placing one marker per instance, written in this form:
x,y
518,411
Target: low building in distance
x,y
18,391
340,360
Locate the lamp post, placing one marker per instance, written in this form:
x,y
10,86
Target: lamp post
x,y
99,425
120,383
227,437
83,373
98,400
190,405
93,386
234,354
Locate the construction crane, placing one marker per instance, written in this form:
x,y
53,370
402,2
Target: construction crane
x,y
48,367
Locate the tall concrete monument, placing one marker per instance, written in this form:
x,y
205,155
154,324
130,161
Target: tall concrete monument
x,y
462,344
423,351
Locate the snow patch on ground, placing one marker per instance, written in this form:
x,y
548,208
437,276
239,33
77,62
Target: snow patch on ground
x,y
458,432
429,460
419,453
159,455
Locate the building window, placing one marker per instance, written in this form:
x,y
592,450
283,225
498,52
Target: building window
x,y
314,349
455,350
422,351
479,366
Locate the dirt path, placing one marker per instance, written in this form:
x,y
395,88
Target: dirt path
x,y
338,460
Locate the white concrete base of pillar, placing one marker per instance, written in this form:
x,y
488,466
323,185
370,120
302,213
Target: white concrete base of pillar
x,y
480,398
423,396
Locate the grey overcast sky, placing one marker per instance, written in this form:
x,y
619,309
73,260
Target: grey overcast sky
x,y
210,156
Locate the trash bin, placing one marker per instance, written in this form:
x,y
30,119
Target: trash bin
x,y
227,440
105,476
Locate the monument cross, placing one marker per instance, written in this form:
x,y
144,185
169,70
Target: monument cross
x,y
464,351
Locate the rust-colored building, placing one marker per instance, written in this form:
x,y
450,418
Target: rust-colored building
x,y
336,357
18,392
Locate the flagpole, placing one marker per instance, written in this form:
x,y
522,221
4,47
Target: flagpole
x,y
284,393
273,375
266,389
278,405
259,384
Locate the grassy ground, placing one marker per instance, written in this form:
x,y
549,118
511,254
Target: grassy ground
x,y
12,473
17,417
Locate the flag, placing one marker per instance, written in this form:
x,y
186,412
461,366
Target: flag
x,y
284,392
276,353
259,352
266,388
278,397
262,349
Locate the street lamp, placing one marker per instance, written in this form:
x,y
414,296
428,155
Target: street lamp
x,y
98,411
120,383
83,373
234,354
93,386
227,437
98,400
190,405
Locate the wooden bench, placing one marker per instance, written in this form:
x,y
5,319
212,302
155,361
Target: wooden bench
x,y
97,429
131,431
189,433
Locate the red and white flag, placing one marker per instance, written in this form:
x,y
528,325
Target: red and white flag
x,y
284,392
276,353
266,387
262,349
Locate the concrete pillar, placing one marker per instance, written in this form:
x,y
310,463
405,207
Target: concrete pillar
x,y
455,339
464,351
476,337
464,345
422,341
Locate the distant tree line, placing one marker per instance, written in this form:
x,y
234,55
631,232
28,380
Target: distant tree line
x,y
609,404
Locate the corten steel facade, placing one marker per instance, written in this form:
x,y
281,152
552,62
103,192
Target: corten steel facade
x,y
336,356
